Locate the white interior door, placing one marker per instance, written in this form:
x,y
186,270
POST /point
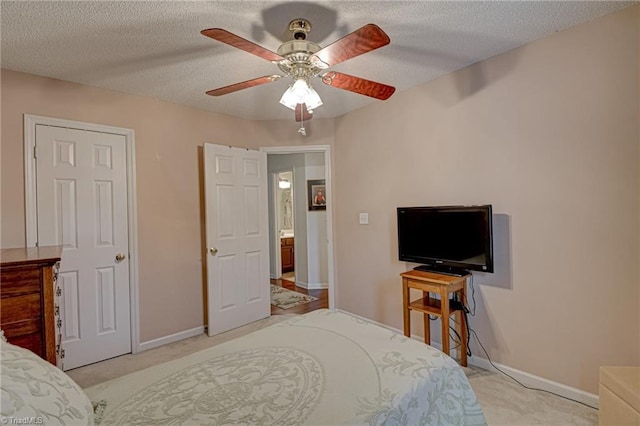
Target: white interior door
x,y
82,205
237,234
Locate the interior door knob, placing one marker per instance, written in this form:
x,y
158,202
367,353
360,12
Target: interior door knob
x,y
120,257
213,251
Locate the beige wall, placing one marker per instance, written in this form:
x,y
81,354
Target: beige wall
x,y
548,134
168,180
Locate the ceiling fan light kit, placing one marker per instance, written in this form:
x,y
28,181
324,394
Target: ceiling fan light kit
x,y
301,92
303,60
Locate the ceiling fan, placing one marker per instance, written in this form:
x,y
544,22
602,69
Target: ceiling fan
x,y
302,60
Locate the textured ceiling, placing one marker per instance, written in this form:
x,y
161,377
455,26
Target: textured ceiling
x,y
155,49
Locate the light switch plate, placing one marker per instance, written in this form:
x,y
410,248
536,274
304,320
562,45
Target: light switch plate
x,y
364,218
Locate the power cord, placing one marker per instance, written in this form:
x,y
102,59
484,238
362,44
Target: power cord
x,y
473,298
466,311
518,381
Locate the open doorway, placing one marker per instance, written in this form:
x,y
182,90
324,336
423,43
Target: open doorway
x,y
283,210
301,246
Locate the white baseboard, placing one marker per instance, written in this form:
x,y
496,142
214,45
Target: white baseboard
x,y
528,379
314,286
538,382
161,341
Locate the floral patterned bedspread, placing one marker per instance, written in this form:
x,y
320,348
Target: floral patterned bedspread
x,y
36,392
322,368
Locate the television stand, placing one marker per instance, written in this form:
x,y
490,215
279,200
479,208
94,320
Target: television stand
x,y
440,269
429,283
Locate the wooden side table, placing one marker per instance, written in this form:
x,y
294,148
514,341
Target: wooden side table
x,y
444,285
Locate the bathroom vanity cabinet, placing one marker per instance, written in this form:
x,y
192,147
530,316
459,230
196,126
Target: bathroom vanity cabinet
x,y
286,249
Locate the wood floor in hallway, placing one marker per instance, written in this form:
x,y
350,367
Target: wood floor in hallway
x,y
321,303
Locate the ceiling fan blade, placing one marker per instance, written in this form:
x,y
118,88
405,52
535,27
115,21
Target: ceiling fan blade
x,y
358,85
366,39
243,85
302,113
236,41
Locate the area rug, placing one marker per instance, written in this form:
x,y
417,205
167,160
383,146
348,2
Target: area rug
x,y
287,299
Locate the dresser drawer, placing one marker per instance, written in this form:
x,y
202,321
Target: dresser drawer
x,y
14,330
32,341
19,281
20,308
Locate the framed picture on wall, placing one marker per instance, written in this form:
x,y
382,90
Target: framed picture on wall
x,y
317,194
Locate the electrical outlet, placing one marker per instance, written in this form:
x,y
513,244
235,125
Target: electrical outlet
x,y
364,218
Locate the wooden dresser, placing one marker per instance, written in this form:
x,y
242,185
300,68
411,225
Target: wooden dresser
x,y
27,279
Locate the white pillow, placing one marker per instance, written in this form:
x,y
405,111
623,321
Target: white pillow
x,y
36,392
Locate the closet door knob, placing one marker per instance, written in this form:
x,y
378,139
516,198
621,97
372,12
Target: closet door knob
x,y
120,257
213,251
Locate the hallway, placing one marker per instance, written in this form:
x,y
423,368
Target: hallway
x,y
321,303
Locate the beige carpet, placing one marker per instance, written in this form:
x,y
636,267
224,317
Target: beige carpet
x,y
503,401
99,372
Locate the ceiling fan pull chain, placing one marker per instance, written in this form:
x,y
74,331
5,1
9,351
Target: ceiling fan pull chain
x,y
302,130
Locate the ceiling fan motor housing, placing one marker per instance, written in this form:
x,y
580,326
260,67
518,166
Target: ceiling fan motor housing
x,y
297,62
299,28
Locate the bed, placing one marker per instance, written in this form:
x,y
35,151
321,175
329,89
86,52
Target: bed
x,y
35,392
322,368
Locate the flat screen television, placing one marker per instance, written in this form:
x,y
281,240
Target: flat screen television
x,y
449,239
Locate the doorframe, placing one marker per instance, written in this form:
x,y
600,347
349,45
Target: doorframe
x,y
326,150
277,262
31,213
